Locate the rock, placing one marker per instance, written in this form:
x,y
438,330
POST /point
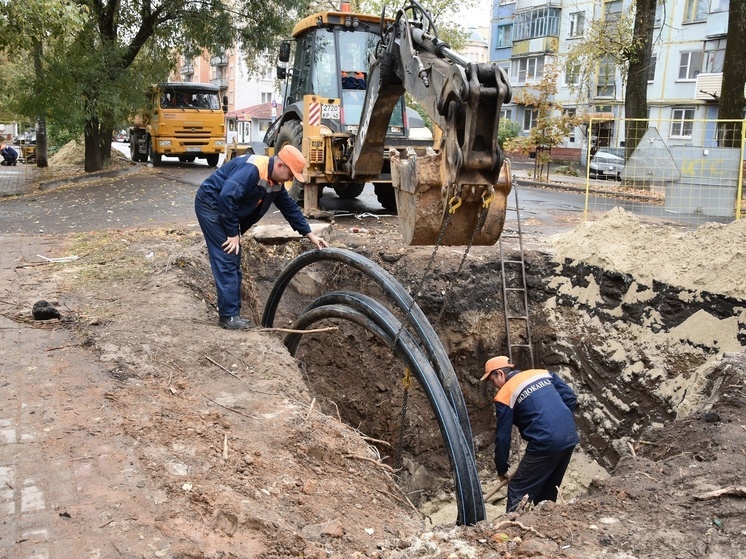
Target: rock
x,y
333,528
538,547
42,310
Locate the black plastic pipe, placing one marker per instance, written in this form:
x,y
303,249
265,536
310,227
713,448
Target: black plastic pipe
x,y
396,291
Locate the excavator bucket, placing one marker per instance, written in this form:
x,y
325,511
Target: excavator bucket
x,y
431,212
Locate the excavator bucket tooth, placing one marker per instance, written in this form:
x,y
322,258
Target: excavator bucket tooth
x,y
423,202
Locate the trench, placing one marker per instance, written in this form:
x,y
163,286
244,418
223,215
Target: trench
x,y
605,345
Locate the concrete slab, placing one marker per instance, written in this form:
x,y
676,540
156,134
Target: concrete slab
x,y
282,233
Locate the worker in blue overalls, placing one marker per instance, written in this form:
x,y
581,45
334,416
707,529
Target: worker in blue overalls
x,y
541,405
233,199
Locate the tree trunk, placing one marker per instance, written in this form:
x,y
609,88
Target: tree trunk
x,y
734,75
42,152
93,161
41,121
636,96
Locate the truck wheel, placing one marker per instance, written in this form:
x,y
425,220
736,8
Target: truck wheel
x,y
350,190
386,195
212,159
156,158
291,133
135,154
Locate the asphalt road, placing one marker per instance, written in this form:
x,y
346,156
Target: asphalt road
x,y
164,197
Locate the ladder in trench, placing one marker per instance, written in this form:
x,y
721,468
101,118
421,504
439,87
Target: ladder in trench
x,y
515,294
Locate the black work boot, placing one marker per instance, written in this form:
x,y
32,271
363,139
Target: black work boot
x,y
233,323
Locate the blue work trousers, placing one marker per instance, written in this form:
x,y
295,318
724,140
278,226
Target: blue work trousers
x,y
538,476
226,268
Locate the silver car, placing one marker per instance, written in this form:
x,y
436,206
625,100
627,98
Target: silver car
x,y
606,165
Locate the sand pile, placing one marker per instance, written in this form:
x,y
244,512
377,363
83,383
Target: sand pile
x,y
711,258
73,154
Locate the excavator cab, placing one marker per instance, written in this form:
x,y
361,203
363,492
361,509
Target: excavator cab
x,y
330,60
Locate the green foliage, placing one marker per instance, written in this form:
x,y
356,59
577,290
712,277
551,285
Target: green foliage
x,y
553,124
507,130
443,14
95,60
603,39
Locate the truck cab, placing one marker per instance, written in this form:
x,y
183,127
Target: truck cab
x,y
182,120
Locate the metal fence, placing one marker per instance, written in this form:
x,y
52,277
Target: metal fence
x,y
685,171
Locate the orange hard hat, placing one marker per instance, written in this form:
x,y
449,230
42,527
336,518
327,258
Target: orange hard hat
x,y
294,160
495,363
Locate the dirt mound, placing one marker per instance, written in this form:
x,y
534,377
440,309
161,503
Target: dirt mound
x,y
242,460
72,154
710,258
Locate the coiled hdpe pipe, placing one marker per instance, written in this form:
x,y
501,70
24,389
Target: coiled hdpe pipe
x,y
414,316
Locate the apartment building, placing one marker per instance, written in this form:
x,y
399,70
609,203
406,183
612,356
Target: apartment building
x,y
252,100
685,71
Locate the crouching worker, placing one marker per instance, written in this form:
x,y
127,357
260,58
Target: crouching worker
x,y
541,405
10,156
233,199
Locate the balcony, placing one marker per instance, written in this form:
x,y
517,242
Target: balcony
x,y
187,70
522,5
221,60
222,83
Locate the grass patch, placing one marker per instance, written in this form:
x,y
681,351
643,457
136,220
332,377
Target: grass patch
x,y
123,256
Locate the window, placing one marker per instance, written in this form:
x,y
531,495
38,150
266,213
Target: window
x,y
577,22
506,114
651,68
606,77
572,73
530,116
714,56
719,6
505,36
613,10
696,10
570,113
682,123
266,97
690,65
540,22
527,69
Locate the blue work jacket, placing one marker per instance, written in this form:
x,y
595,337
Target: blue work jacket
x,y
541,405
241,191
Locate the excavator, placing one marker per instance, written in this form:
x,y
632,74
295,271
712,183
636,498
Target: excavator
x,y
345,110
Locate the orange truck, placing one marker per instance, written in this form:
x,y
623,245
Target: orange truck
x,y
183,120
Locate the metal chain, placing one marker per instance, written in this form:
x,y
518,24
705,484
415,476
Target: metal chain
x,y
478,227
454,204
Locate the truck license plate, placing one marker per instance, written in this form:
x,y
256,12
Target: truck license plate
x,y
194,149
330,111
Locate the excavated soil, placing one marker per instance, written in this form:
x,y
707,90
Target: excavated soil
x,y
248,452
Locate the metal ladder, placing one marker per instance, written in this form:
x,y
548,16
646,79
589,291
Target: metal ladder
x,y
515,295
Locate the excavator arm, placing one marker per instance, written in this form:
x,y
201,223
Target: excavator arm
x,y
455,192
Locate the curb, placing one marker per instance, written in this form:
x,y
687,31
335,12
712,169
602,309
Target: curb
x,y
582,190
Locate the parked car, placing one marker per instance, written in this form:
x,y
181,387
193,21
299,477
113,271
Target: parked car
x,y
121,136
606,165
27,138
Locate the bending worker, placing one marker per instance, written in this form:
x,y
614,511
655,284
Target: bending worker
x,y
233,199
541,405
